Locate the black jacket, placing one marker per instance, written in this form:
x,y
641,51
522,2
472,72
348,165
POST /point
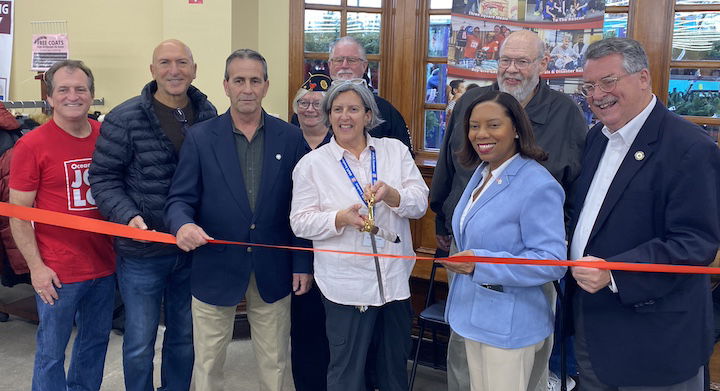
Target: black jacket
x,y
559,129
133,166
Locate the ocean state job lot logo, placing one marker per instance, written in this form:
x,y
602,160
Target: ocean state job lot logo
x,y
78,186
5,17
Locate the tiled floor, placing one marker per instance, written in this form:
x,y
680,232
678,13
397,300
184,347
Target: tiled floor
x,y
17,346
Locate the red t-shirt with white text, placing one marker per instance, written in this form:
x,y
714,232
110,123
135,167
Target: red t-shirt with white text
x,y
55,164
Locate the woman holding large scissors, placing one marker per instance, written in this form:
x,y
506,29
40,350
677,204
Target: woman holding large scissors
x,y
334,188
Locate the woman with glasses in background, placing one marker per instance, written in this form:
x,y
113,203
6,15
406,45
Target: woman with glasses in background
x,y
511,208
306,105
366,298
309,351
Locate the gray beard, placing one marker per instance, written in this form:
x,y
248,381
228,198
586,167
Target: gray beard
x,y
526,89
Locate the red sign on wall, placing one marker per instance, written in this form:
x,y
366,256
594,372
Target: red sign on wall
x,y
195,1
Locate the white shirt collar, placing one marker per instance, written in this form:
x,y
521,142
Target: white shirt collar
x,y
498,171
339,152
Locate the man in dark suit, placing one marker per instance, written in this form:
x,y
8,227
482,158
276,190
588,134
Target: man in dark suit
x,y
233,181
648,192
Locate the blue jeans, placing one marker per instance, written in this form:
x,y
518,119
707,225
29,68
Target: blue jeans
x,y
90,305
145,284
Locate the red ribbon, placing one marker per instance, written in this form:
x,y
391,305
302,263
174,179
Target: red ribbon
x,y
114,229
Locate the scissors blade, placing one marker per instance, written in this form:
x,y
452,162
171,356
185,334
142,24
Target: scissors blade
x,y
377,268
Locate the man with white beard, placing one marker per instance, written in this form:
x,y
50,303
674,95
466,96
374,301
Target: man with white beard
x,y
559,128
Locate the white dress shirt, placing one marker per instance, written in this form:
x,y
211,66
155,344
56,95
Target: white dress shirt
x,y
618,145
321,189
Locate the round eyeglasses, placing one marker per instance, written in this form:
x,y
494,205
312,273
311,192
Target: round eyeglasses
x,y
606,84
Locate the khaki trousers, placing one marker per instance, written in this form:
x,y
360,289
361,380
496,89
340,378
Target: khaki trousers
x,y
493,369
458,376
212,332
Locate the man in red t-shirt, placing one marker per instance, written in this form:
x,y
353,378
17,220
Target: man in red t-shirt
x,y
72,271
473,43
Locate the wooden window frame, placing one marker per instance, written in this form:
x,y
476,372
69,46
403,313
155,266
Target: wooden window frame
x,y
404,40
297,41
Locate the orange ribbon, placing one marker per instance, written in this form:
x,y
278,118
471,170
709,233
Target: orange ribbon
x,y
114,229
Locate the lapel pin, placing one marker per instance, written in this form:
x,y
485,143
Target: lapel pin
x,y
499,181
639,155
279,156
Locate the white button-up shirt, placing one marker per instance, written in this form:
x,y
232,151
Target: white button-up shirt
x,y
618,145
321,189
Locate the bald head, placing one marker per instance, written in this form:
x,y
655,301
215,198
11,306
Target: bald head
x,y
174,69
172,44
526,39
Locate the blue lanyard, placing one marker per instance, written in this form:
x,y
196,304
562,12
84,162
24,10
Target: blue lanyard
x,y
353,179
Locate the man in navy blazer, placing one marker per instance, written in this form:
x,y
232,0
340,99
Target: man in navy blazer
x,y
234,182
648,192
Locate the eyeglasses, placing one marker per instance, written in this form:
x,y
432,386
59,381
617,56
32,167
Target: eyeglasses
x,y
357,81
180,117
304,104
350,60
520,63
606,84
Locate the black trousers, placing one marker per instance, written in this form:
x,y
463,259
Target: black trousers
x,y
351,332
309,350
589,380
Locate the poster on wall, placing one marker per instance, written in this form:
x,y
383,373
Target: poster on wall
x,y
47,49
6,42
567,27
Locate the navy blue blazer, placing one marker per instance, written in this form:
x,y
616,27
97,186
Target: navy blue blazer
x,y
662,207
208,190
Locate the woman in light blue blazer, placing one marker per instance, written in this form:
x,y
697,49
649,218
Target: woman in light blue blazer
x,y
513,208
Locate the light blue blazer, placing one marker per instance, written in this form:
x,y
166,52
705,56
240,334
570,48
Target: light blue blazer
x,y
520,215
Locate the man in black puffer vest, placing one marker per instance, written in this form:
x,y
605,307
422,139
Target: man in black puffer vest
x,y
133,165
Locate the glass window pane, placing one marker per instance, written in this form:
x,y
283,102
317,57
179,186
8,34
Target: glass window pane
x,y
439,34
315,66
434,128
365,3
365,27
694,92
435,82
324,2
698,2
373,75
696,36
321,29
440,4
615,25
609,3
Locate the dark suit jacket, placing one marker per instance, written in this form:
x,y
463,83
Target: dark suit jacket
x,y
208,190
662,208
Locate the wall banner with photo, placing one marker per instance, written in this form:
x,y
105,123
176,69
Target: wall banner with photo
x,y
478,28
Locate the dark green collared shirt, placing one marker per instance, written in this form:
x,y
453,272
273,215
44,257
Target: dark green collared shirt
x,y
250,154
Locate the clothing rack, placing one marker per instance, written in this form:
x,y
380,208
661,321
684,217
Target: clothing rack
x,y
39,104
